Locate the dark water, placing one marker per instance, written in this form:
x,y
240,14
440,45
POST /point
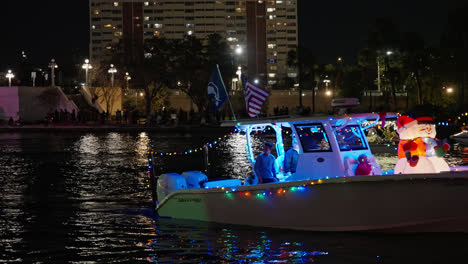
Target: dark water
x,y
84,198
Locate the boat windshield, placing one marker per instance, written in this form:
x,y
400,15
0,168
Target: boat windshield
x,y
350,138
313,138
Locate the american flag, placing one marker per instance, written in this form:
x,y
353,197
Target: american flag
x,y
254,97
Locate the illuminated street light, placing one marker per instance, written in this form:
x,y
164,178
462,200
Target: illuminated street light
x,y
127,78
112,71
449,90
328,93
52,66
10,76
239,50
389,52
256,81
87,66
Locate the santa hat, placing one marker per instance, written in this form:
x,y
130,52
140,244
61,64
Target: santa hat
x,y
425,120
404,122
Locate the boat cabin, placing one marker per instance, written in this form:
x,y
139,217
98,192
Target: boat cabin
x,y
328,146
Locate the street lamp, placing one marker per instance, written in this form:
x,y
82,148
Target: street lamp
x,y
239,50
87,66
327,81
127,79
112,71
449,90
52,66
10,76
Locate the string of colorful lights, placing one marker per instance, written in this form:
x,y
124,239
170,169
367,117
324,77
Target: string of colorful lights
x,y
194,150
457,120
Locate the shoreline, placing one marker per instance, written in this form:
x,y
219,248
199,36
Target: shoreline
x,y
110,128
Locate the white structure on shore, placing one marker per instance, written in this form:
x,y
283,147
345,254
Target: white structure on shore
x,y
32,104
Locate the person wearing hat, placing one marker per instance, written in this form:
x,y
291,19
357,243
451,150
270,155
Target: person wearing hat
x,y
265,165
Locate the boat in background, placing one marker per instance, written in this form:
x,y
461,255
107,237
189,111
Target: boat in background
x,y
327,193
461,137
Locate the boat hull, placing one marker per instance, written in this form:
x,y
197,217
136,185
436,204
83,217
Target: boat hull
x,y
393,203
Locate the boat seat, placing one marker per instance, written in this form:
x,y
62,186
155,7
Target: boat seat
x,y
195,179
222,183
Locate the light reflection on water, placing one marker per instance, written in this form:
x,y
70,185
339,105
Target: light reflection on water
x,y
83,198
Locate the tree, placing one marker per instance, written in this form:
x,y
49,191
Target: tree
x,y
454,48
305,62
195,62
153,74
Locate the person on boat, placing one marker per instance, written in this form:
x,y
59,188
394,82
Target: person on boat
x,y
290,158
265,165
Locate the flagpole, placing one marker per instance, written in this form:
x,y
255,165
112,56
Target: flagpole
x,y
228,97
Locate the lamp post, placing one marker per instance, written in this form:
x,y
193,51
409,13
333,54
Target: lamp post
x,y
87,66
326,81
112,71
52,66
10,76
239,50
127,79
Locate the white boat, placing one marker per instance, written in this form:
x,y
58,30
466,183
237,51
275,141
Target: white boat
x,y
323,194
461,137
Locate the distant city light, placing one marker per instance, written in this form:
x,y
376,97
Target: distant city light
x,y
9,76
87,66
256,81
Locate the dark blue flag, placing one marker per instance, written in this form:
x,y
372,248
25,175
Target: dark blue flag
x,y
216,89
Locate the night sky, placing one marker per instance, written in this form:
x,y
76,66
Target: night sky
x,y
58,28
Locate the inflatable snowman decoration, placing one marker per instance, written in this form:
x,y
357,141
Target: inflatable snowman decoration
x,y
418,150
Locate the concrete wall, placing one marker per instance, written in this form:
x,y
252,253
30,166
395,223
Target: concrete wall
x,y
277,98
33,103
290,99
9,103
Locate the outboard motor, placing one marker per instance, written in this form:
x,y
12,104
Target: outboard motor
x,y
195,179
170,182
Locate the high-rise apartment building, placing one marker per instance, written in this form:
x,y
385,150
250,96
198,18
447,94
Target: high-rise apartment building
x,y
260,33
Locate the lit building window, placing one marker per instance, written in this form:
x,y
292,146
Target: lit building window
x,y
158,25
272,75
190,32
271,9
108,25
146,18
146,3
116,3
